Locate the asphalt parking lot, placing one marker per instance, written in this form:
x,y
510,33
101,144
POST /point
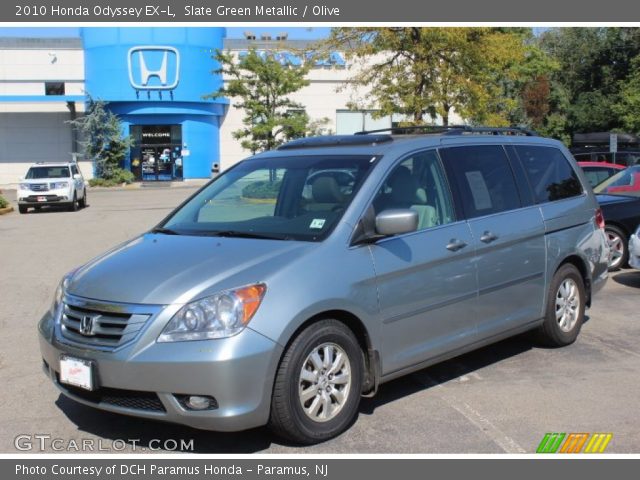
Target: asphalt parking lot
x,y
501,399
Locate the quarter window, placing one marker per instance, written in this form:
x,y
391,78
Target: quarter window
x,y
484,178
549,172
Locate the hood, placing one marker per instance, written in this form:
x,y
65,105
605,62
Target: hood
x,y
163,269
606,199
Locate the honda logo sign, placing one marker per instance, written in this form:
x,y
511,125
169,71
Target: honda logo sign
x,y
86,326
154,67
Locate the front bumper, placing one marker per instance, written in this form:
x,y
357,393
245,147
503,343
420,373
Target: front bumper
x,y
48,197
143,379
634,251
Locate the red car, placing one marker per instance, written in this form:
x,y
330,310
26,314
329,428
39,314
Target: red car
x,y
598,172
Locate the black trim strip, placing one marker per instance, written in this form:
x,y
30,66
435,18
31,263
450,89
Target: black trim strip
x,y
461,298
573,225
510,283
428,308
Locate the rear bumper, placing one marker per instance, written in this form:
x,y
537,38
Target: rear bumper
x,y
148,382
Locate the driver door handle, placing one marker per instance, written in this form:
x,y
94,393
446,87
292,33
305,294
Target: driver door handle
x,y
488,237
454,244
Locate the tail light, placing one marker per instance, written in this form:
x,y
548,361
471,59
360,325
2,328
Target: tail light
x,y
599,219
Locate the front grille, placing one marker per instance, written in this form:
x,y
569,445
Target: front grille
x,y
50,198
104,326
136,400
39,187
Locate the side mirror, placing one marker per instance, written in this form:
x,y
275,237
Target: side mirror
x,y
21,179
77,176
396,222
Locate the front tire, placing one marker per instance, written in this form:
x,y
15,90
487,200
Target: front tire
x,y
619,247
566,301
23,209
318,384
83,202
74,205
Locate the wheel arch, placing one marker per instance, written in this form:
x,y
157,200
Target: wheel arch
x,y
578,262
371,357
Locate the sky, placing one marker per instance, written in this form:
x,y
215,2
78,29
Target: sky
x,y
232,32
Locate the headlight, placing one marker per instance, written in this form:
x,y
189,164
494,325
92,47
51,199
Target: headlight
x,y
221,315
25,186
59,295
56,185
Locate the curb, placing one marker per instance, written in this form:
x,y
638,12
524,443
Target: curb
x,y
6,210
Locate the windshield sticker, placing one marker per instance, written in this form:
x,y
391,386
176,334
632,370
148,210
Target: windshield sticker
x,y
479,190
317,223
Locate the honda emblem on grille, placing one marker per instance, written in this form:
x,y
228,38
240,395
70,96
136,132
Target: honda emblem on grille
x,y
86,325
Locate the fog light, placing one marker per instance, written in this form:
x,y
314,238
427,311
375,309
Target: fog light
x,y
198,403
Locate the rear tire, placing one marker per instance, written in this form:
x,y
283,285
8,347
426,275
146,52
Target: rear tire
x,y
318,385
83,202
619,244
23,209
566,302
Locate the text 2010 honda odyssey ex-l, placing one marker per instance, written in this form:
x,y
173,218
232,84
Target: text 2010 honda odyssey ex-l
x,y
303,278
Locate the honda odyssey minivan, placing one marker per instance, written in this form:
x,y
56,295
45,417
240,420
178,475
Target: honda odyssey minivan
x,y
301,279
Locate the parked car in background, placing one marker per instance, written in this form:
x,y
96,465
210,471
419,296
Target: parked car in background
x,y
626,159
619,197
598,172
625,181
406,251
52,184
634,249
596,147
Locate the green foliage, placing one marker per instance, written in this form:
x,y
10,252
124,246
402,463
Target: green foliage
x,y
424,72
3,202
595,81
262,85
262,189
119,176
103,141
628,106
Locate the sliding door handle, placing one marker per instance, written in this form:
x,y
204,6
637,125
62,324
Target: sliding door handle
x,y
488,237
454,245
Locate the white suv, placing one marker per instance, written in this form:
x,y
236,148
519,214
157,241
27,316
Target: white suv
x,y
52,184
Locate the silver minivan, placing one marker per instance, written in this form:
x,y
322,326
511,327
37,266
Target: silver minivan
x,y
303,278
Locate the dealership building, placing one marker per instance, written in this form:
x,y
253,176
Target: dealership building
x,y
156,80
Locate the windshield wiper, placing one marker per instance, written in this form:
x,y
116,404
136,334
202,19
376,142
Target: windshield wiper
x,y
165,231
238,234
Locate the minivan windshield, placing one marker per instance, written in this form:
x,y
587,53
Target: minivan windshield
x,y
284,198
47,172
626,183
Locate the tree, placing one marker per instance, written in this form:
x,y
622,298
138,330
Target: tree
x,y
423,72
595,64
261,84
103,142
628,106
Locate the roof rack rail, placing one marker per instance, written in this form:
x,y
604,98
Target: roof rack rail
x,y
412,128
454,130
335,141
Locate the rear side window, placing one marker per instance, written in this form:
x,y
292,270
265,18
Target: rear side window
x,y
484,179
550,173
